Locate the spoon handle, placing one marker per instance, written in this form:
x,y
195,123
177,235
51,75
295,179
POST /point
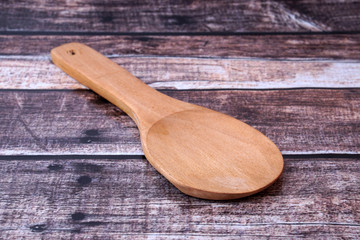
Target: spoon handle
x,y
112,82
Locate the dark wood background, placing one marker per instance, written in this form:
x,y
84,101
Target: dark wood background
x,y
71,164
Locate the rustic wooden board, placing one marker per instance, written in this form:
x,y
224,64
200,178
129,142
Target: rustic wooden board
x,y
318,46
122,198
24,72
111,191
181,16
80,122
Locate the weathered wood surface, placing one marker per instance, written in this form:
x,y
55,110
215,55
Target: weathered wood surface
x,y
60,197
191,73
126,198
181,16
80,122
332,46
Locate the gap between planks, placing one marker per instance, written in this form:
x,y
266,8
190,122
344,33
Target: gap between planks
x,y
14,155
170,34
134,156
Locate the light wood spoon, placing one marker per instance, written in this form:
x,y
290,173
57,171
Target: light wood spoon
x,y
204,153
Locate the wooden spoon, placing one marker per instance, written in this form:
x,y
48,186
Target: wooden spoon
x,y
205,154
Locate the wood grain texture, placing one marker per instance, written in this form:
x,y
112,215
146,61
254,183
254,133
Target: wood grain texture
x,y
127,198
27,72
181,16
332,46
81,122
42,198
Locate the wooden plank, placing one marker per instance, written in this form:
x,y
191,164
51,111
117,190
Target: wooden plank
x,y
301,121
127,198
191,73
332,46
181,16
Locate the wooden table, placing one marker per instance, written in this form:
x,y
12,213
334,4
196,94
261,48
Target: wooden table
x,y
71,163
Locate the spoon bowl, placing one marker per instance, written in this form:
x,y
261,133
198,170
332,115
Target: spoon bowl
x,y
230,160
